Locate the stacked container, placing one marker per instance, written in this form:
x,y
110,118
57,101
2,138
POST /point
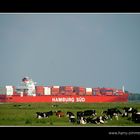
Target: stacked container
x,y
62,90
96,91
107,91
82,91
9,90
68,90
47,90
39,90
55,90
88,91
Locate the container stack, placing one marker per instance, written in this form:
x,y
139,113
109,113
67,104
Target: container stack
x,y
82,91
9,90
89,91
39,90
55,90
47,90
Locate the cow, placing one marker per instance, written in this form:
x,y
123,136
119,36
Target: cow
x,y
136,117
83,120
128,111
68,114
97,120
71,117
40,115
89,113
112,112
83,114
44,114
86,113
47,114
79,115
59,113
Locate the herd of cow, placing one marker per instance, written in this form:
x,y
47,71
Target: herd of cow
x,y
90,116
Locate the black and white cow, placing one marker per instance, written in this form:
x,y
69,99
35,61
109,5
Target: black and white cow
x,y
86,113
81,115
44,114
112,112
83,120
40,115
71,117
47,114
128,111
97,120
89,113
136,117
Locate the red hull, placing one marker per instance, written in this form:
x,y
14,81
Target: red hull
x,y
74,98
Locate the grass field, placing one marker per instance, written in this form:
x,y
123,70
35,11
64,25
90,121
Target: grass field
x,y
24,114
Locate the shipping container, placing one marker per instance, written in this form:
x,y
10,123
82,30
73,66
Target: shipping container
x,y
47,90
9,90
39,90
69,88
82,91
96,91
62,90
88,91
55,90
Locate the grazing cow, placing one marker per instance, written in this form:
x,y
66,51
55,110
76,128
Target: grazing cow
x,y
90,113
44,114
112,112
136,117
128,111
83,120
47,114
86,113
71,117
60,113
79,115
97,120
83,114
40,115
68,114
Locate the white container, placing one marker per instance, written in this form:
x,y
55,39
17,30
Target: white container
x,y
88,89
9,90
56,86
47,91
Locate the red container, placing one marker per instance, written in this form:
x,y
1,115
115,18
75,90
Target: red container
x,y
62,90
81,91
76,90
39,90
69,88
55,90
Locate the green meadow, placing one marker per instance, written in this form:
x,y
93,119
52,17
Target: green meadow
x,y
24,114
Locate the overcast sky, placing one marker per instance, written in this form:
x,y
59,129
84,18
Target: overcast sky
x,y
90,50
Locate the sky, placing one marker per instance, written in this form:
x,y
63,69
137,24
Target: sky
x,y
77,49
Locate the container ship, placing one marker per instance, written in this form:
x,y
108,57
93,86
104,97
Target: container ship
x,y
30,92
